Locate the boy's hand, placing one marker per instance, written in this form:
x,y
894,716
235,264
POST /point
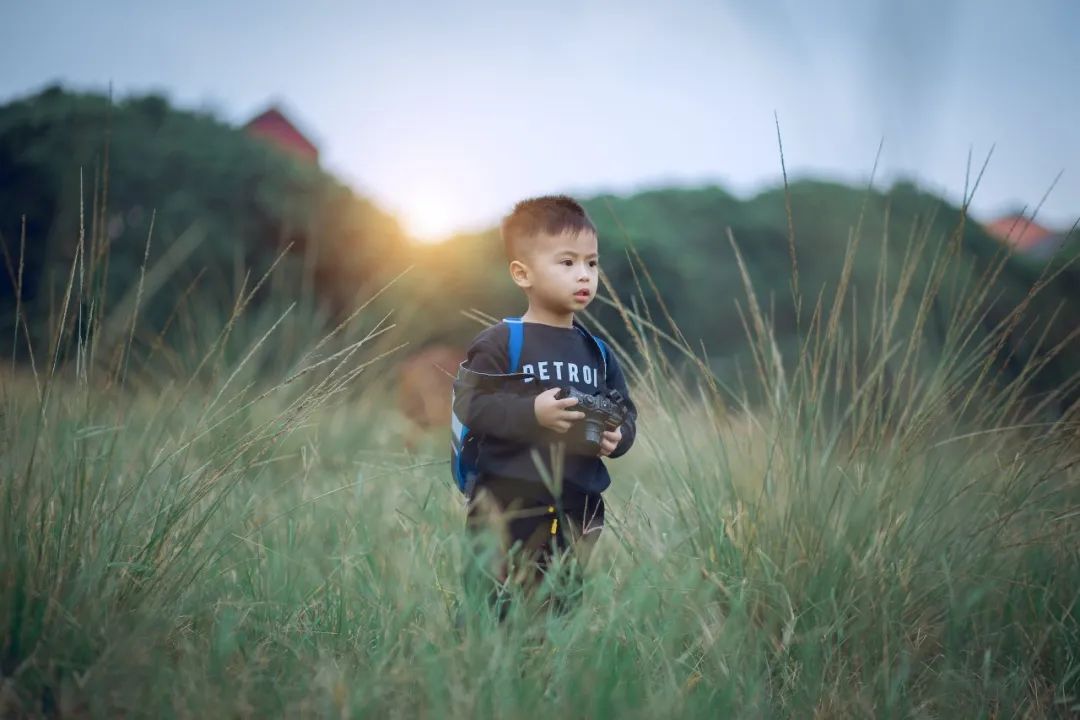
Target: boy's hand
x,y
552,413
609,441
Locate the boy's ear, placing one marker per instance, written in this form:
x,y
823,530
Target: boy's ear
x,y
519,272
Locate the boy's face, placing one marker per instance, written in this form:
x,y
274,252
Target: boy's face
x,y
560,271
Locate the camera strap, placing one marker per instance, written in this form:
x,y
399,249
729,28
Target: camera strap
x,y
491,381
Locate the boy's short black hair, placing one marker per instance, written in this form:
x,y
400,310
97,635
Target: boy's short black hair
x,y
550,214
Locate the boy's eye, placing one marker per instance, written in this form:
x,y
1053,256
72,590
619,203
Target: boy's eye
x,y
567,262
593,263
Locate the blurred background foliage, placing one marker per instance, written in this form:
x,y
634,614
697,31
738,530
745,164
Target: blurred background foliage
x,y
224,205
238,201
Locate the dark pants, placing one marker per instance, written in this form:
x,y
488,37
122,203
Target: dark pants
x,y
530,529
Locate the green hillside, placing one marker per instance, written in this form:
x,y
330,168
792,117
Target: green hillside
x,y
222,204
671,250
225,205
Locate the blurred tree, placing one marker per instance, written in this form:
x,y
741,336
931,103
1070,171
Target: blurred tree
x,y
119,165
233,203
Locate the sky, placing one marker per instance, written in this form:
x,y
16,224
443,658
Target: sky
x,y
448,113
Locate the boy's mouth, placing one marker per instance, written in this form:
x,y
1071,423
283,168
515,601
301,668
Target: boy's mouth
x,y
582,294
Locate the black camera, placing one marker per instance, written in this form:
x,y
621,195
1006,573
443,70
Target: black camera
x,y
602,412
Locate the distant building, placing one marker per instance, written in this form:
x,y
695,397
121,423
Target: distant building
x,y
275,128
1026,236
1022,234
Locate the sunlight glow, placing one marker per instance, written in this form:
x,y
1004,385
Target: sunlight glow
x,y
429,220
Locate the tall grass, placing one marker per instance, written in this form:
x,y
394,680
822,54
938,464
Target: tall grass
x,y
869,529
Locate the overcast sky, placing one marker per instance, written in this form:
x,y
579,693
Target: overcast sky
x,y
446,113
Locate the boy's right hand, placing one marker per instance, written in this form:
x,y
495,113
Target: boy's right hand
x,y
552,413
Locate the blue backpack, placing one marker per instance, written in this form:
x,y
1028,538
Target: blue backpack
x,y
465,444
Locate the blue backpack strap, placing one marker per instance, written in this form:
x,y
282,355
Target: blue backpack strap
x,y
517,339
459,464
600,345
603,352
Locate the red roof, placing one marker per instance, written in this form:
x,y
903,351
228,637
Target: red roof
x,y
1018,231
275,128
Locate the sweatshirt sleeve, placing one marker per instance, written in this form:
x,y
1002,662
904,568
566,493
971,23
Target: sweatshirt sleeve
x,y
505,415
616,381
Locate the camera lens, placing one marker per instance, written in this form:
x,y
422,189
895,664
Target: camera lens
x,y
592,432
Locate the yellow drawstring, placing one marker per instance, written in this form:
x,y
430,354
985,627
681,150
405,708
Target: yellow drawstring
x,y
554,521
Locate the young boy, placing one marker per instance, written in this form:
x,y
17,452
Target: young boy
x,y
539,485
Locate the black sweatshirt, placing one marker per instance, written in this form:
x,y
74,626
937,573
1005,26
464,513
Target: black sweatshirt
x,y
504,417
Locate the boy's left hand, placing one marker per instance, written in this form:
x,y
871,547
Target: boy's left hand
x,y
609,441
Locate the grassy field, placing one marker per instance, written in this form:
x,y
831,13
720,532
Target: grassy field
x,y
231,528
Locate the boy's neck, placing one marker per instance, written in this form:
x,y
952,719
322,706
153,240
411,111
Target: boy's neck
x,y
546,317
